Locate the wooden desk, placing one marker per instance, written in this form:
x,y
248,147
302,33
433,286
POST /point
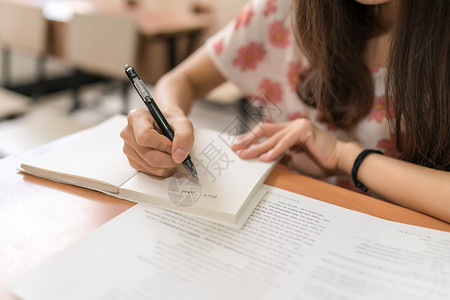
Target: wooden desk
x,y
39,217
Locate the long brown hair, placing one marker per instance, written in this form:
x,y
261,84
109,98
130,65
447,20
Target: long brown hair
x,y
333,35
418,82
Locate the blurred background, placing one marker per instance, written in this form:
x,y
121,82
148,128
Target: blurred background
x,y
62,62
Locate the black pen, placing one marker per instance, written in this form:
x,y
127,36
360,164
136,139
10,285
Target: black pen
x,y
156,113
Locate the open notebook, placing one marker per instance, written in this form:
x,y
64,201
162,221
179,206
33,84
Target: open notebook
x,y
227,192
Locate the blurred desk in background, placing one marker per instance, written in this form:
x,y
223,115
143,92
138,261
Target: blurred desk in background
x,y
164,39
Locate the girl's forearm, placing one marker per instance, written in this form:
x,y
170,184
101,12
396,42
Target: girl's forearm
x,y
173,92
190,80
406,184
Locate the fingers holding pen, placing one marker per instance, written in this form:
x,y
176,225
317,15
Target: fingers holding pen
x,y
143,131
137,162
146,149
183,140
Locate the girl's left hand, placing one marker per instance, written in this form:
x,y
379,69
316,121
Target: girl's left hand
x,y
319,152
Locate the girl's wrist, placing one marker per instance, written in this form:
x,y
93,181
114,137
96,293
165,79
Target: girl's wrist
x,y
347,154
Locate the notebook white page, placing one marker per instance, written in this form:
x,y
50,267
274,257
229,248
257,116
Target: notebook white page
x,y
94,159
225,184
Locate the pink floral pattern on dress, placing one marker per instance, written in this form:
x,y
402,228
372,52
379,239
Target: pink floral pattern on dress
x,y
272,90
270,8
252,50
249,56
389,146
378,111
218,46
293,78
279,34
296,115
244,17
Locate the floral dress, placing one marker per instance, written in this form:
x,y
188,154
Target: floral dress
x,y
257,51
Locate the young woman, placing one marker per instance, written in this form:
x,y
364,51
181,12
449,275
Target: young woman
x,y
349,78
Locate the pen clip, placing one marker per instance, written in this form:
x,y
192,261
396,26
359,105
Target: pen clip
x,y
140,87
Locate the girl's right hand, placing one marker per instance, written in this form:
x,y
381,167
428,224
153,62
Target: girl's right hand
x,y
148,150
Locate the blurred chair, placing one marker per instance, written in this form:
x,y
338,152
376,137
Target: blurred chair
x,y
22,28
102,45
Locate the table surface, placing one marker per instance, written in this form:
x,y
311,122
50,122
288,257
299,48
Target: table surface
x,y
39,217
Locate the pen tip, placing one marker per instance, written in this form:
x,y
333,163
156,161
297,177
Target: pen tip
x,y
196,176
189,166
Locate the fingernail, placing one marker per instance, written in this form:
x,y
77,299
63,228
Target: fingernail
x,y
239,140
179,155
265,155
243,153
